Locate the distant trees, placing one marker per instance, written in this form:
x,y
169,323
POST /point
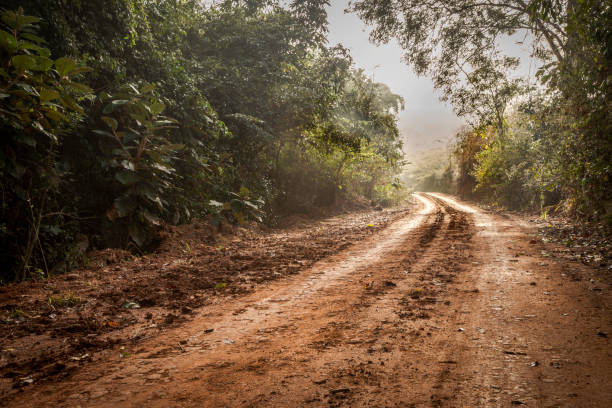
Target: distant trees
x,y
562,130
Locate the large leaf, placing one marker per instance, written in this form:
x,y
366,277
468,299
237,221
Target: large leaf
x,y
127,177
124,205
33,38
147,191
69,102
111,122
80,87
23,62
79,70
152,218
104,133
114,105
138,233
43,64
64,66
147,88
7,42
157,108
47,94
18,21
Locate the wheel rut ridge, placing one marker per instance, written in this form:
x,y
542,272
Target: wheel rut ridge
x,y
449,235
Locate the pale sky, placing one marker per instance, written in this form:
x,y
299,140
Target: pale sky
x,y
425,118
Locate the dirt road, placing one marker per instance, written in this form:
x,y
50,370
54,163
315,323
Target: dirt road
x,y
449,306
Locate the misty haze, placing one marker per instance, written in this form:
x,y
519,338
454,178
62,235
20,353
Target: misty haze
x,y
305,203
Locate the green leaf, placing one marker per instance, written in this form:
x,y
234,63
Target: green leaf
x,y
17,20
153,219
111,122
104,133
133,89
23,62
147,88
69,102
114,105
29,89
47,94
43,64
163,167
124,205
64,66
216,205
8,42
138,233
127,177
26,45
53,114
32,38
36,125
80,87
158,123
146,190
157,108
80,70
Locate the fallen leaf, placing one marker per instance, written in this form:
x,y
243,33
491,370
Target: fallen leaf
x,y
131,305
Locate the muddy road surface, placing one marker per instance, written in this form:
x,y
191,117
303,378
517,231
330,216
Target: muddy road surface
x,y
448,306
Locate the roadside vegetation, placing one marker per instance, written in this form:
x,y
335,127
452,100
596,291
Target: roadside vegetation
x,y
120,117
545,146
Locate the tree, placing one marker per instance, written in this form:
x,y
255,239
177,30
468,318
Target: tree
x,y
440,36
456,42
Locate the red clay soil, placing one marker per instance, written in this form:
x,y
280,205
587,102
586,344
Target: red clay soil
x,y
48,329
449,305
